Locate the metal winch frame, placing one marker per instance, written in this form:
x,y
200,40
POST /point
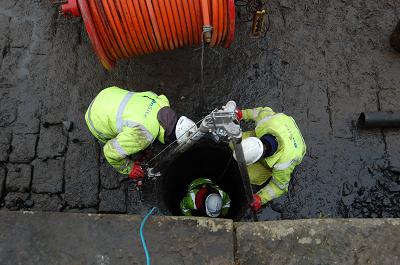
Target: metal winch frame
x,y
221,125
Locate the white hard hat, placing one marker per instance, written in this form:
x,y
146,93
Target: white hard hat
x,y
185,127
213,205
253,150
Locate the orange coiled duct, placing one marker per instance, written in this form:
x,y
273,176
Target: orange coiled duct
x,y
126,28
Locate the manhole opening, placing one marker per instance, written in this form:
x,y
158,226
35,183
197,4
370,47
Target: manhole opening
x,y
205,160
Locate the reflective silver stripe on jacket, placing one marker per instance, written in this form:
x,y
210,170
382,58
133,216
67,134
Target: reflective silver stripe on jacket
x,y
283,166
102,135
221,194
131,124
124,166
227,205
270,192
281,186
121,110
193,196
267,118
118,148
255,113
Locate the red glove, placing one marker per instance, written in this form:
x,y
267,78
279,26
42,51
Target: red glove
x,y
256,204
239,114
137,173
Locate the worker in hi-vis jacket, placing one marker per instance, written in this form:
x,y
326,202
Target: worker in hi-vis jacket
x,y
204,198
128,122
271,151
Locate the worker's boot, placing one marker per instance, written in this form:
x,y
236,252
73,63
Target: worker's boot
x,y
395,38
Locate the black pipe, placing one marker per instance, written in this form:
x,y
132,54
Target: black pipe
x,y
379,119
395,38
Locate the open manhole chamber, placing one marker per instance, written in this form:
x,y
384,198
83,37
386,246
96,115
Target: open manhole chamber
x,y
203,160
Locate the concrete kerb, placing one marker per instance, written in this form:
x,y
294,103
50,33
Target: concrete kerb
x,y
70,238
66,238
319,241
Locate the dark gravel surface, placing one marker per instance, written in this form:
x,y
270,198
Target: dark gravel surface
x,y
323,62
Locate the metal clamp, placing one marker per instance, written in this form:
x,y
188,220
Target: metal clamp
x,y
221,124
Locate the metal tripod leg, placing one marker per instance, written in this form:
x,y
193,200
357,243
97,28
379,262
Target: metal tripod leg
x,y
245,176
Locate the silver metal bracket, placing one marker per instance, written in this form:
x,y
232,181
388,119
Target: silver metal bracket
x,y
152,174
221,124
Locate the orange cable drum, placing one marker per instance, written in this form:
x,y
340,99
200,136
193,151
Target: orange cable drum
x,y
179,5
176,22
168,30
225,19
143,16
171,23
220,20
137,28
126,28
188,22
131,40
104,38
103,27
160,24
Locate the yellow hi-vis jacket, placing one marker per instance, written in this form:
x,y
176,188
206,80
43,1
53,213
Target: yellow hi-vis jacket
x,y
290,152
126,122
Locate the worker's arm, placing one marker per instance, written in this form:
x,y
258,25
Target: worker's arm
x,y
117,151
186,206
226,204
277,186
257,114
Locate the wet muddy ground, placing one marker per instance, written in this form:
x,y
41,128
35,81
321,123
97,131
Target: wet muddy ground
x,y
323,62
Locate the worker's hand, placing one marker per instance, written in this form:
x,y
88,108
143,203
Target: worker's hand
x,y
137,173
239,114
256,204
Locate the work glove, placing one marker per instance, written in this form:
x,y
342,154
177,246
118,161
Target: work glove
x,y
137,174
256,204
239,114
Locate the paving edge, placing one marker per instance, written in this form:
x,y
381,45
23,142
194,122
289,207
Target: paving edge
x,y
104,239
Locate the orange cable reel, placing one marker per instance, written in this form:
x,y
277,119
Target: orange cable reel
x,y
121,29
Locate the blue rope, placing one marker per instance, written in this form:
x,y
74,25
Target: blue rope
x,y
146,252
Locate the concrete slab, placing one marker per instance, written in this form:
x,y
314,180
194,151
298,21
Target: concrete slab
x,y
51,238
319,241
